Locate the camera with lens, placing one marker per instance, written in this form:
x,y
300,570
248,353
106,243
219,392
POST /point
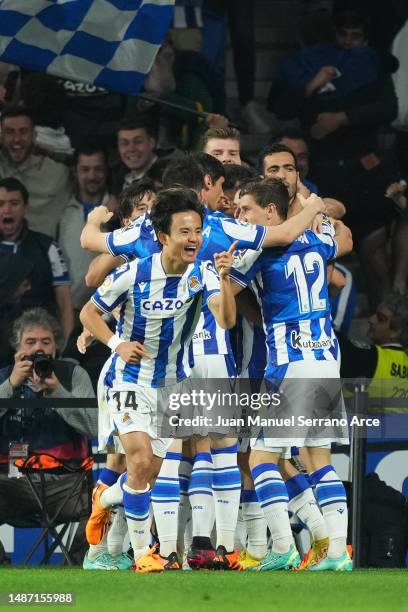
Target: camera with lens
x,y
43,364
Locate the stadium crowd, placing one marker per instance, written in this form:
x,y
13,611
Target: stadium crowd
x,y
143,255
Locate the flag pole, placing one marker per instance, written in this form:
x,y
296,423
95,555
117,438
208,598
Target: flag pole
x,y
176,106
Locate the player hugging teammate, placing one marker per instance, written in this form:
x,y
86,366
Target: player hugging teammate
x,y
174,275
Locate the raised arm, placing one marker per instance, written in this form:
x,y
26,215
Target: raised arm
x,y
287,232
343,237
222,305
100,267
91,237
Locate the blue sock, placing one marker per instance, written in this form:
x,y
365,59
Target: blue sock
x,y
108,477
273,498
332,499
201,495
137,510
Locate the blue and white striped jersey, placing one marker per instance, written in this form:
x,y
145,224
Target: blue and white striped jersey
x,y
219,232
293,291
158,310
135,240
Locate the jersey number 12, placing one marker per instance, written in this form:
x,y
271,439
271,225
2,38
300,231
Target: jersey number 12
x,y
308,298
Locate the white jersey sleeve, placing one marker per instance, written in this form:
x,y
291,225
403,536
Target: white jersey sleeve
x,y
115,288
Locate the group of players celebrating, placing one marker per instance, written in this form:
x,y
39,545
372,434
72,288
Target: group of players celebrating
x,y
178,275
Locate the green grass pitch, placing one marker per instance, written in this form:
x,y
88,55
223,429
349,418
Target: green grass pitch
x,y
361,591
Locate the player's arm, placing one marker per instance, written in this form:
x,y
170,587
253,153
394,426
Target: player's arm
x,y
222,304
343,238
91,318
100,267
289,230
111,294
91,237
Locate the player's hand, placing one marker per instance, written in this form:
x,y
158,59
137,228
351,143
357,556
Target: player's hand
x,y
224,261
21,371
84,340
132,352
99,215
313,200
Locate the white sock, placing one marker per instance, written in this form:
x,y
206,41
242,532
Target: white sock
x,y
98,549
113,495
331,496
302,502
255,524
117,531
165,502
201,495
240,535
273,499
226,491
137,510
184,514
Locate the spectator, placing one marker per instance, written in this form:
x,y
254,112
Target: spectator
x,y
385,362
47,181
61,432
50,283
222,143
136,141
343,96
91,173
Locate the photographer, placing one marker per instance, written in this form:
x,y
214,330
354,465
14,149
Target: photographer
x,y
61,432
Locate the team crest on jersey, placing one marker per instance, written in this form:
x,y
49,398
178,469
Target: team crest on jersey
x,y
126,418
238,256
194,284
106,285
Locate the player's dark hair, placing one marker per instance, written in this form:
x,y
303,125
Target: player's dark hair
x,y
184,172
12,184
15,111
268,191
235,175
172,201
276,147
132,195
209,165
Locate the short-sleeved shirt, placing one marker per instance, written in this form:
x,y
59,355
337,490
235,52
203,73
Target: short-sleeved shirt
x,y
294,298
219,232
158,310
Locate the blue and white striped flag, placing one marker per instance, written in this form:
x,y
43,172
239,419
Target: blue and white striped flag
x,y
111,43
